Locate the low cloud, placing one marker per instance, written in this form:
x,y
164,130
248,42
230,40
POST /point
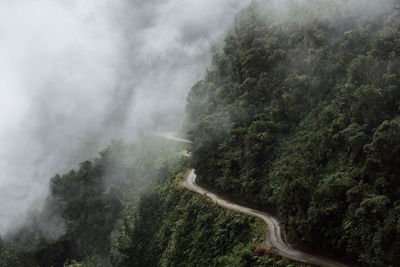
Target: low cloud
x,y
76,74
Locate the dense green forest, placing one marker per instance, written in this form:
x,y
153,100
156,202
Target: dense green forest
x,y
93,203
300,114
175,227
128,208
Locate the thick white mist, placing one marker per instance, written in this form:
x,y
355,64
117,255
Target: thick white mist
x,y
75,74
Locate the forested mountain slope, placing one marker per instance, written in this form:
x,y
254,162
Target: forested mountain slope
x,y
92,205
300,114
175,227
128,208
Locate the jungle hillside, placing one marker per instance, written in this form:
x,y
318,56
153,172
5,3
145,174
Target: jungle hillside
x,y
299,115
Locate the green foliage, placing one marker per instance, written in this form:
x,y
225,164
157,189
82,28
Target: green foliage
x,y
7,256
310,110
175,227
90,204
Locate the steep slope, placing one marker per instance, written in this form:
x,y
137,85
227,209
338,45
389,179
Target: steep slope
x,y
174,227
274,239
90,205
300,115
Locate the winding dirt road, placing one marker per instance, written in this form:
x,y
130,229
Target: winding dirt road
x,y
274,238
172,136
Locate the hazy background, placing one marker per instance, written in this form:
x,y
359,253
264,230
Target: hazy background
x,y
76,74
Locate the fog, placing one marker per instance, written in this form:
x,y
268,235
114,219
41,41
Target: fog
x,y
288,9
76,74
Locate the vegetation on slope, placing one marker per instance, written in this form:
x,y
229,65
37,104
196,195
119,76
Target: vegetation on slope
x,y
175,227
300,114
123,210
90,204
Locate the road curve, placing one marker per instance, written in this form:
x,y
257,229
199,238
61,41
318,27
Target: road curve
x,y
172,136
274,238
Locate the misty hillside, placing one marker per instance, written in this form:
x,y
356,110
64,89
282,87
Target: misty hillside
x,y
297,116
300,115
